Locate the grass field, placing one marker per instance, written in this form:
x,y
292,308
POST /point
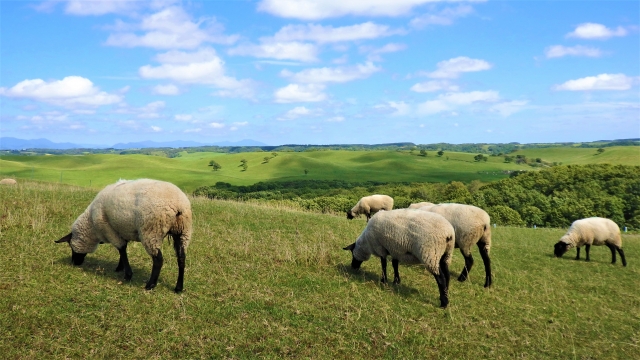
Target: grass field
x,y
191,170
266,282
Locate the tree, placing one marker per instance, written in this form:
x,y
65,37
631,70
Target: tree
x,y
215,165
600,150
423,152
480,157
244,166
306,171
266,159
440,153
274,154
508,159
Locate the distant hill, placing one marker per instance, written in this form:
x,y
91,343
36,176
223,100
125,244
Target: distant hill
x,y
11,143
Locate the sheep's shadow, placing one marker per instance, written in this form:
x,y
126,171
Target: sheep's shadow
x,y
106,269
364,276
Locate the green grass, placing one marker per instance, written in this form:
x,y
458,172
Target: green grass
x,y
191,170
266,282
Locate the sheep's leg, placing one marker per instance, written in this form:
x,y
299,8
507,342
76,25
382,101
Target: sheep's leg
x,y
587,247
577,253
396,273
468,263
624,261
487,263
613,253
442,278
181,255
123,264
383,262
155,270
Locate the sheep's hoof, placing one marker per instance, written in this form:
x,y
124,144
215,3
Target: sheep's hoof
x,y
127,277
383,280
462,278
396,281
177,290
150,286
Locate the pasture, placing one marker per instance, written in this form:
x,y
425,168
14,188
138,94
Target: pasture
x,y
191,170
270,282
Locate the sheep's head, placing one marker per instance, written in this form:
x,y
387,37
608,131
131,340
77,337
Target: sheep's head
x,y
560,248
76,257
350,215
355,264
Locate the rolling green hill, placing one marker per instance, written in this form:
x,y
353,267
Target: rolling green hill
x,y
191,170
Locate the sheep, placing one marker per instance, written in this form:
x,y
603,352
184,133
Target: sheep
x,y
8,182
419,205
591,231
370,205
408,236
472,226
142,210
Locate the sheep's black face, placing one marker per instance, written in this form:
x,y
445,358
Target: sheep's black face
x,y
560,248
350,215
355,264
77,258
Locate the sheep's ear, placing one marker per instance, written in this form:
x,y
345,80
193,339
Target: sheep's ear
x,y
350,247
66,238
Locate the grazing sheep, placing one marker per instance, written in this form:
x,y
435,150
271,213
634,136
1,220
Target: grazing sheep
x,y
591,231
141,210
473,226
420,204
408,236
370,205
8,182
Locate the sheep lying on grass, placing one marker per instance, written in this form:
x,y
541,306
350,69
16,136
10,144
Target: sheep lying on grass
x,y
472,226
141,210
370,205
591,231
408,236
8,182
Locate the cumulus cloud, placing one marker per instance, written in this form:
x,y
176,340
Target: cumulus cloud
x,y
168,89
443,17
151,110
556,51
171,28
598,82
316,10
452,68
298,112
332,75
183,117
434,85
394,108
596,31
71,91
508,108
201,67
270,49
100,7
374,53
300,93
451,101
336,119
329,34
216,125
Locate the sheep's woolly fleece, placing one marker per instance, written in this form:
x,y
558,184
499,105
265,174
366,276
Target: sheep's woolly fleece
x,y
592,231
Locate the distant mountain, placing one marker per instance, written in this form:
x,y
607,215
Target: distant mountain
x,y
11,143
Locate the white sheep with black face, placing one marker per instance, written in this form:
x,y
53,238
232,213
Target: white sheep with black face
x,y
370,205
408,236
139,210
591,231
472,226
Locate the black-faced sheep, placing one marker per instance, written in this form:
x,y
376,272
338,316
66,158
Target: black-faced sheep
x,y
591,231
370,205
472,226
408,236
140,210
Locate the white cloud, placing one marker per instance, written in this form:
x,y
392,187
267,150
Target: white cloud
x,y
374,53
168,89
71,91
196,130
315,10
336,119
596,31
200,67
100,7
394,108
241,123
216,125
434,85
292,50
300,93
599,82
444,17
451,101
171,28
509,107
452,68
156,128
556,51
151,110
297,112
332,75
329,34
183,117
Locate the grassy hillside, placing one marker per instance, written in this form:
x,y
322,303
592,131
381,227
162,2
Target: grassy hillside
x,y
274,282
191,169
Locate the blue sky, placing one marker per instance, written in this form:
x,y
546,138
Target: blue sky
x,y
329,72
